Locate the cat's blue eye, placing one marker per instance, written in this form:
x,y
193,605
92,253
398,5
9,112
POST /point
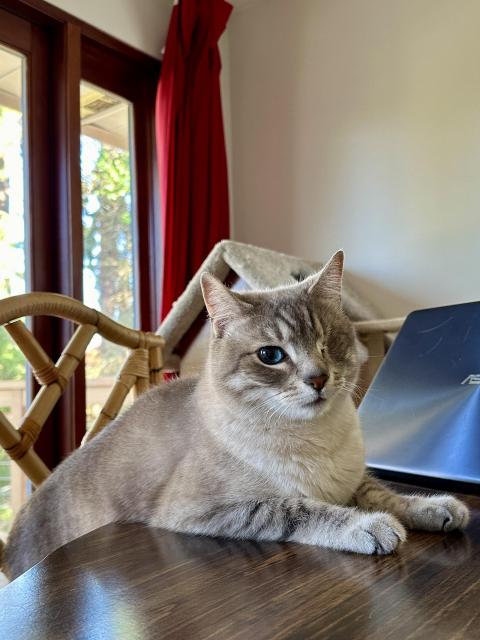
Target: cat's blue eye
x,y
271,355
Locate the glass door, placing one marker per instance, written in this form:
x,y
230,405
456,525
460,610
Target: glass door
x,y
108,216
13,255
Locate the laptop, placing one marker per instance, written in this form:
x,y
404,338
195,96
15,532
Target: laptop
x,y
421,414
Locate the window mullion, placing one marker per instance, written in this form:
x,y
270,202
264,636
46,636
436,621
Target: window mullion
x,y
66,78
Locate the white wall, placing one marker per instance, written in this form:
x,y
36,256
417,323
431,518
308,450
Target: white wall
x,y
142,24
356,124
226,93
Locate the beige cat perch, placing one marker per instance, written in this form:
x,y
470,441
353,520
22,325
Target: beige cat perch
x,y
179,343
243,266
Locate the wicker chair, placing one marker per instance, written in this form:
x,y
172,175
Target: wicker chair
x,y
373,334
142,368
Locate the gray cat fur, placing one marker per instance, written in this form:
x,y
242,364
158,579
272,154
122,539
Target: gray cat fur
x,y
250,449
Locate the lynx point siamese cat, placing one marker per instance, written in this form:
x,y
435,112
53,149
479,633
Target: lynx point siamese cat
x,y
265,444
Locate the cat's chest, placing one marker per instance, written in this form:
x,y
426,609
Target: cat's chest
x,y
316,471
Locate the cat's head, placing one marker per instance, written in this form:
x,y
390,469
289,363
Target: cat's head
x,y
285,352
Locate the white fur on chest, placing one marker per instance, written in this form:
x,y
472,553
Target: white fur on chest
x,y
323,460
316,472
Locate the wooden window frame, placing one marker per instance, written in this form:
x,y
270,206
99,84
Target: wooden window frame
x,y
62,50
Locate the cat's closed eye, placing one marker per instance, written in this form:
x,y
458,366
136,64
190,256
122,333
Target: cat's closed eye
x,y
271,355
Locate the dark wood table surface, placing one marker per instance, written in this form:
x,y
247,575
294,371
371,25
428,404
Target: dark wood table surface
x,y
127,581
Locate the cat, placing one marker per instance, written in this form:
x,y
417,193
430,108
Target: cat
x,y
265,444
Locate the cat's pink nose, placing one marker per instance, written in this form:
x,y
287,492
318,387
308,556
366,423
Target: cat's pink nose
x,y
317,382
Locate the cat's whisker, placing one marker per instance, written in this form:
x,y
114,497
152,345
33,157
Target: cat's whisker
x,y
273,412
352,388
283,411
281,415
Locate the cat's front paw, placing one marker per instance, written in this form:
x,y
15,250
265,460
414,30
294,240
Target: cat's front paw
x,y
436,513
375,534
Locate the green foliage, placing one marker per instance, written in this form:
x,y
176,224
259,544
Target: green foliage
x,y
6,513
3,184
12,362
108,248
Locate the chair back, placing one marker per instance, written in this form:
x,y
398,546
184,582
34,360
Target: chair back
x,y
142,369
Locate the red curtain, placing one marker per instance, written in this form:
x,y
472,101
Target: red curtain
x,y
190,142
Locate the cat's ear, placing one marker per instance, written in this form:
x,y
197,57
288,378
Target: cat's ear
x,y
327,284
222,304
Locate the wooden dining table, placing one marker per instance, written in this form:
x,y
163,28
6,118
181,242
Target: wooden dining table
x,y
130,581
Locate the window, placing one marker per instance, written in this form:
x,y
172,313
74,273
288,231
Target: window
x,y
77,199
12,262
109,278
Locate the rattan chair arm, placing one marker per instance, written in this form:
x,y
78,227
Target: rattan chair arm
x,y
54,304
389,325
143,368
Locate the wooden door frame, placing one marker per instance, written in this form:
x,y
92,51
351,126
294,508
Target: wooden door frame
x,y
61,50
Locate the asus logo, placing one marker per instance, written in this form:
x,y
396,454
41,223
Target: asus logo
x,y
473,378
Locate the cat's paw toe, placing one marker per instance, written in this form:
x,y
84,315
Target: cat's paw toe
x,y
438,513
377,534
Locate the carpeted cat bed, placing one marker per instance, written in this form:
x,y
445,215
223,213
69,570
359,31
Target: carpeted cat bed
x,y
258,269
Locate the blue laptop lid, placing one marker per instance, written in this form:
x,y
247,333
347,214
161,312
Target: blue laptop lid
x,y
421,414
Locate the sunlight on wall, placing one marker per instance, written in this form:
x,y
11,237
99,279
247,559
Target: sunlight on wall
x,y
356,125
